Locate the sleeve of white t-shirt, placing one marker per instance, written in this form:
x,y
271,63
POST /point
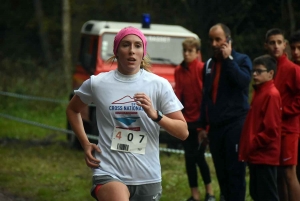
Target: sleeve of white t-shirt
x,y
85,92
169,102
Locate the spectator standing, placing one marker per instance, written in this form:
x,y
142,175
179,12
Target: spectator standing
x,y
260,140
295,52
188,88
287,81
227,76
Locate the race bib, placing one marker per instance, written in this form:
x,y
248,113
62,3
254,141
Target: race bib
x,y
129,141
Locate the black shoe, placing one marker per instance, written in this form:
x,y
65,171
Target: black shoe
x,y
191,199
209,197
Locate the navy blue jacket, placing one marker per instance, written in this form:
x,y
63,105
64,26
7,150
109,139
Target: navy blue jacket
x,y
232,95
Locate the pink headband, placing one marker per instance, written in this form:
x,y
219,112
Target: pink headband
x,y
129,31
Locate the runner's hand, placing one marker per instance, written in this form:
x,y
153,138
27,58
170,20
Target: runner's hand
x,y
144,101
90,159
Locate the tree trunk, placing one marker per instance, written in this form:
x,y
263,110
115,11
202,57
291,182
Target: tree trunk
x,y
292,15
66,32
43,33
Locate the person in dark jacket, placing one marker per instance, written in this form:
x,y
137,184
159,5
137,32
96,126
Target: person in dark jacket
x,y
260,139
227,76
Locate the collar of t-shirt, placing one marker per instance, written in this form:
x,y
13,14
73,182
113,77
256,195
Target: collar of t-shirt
x,y
128,78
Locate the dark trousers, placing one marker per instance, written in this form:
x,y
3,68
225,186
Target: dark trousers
x,y
223,143
193,157
263,182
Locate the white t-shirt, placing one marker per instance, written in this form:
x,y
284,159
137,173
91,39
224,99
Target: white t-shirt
x,y
112,93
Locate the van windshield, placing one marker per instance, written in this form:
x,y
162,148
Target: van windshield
x,y
161,49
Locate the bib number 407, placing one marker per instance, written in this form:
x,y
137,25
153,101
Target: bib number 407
x,y
129,141
130,136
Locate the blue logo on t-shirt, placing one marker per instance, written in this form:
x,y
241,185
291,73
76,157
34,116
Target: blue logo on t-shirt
x,y
127,120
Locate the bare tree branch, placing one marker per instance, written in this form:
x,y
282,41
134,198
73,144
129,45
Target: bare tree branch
x,y
292,16
42,32
66,42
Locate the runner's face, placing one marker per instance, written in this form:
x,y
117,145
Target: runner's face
x,y
130,55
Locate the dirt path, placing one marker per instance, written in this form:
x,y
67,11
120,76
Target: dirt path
x,y
5,197
8,197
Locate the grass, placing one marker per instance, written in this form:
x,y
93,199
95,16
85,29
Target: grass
x,y
40,163
40,170
174,182
37,164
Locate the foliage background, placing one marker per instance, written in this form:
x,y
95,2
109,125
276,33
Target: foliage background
x,y
248,20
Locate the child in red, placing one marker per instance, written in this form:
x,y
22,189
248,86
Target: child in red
x,y
260,140
287,81
295,51
188,89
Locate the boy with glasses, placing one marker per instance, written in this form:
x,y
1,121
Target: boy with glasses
x,y
260,140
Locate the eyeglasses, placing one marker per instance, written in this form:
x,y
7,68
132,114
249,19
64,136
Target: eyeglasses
x,y
258,71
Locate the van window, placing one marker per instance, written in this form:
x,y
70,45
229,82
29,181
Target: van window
x,y
88,53
161,49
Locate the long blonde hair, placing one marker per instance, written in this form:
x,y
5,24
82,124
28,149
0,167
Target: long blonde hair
x,y
145,64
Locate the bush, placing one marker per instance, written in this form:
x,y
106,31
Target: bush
x,y
27,77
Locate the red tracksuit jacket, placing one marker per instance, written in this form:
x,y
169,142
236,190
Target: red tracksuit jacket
x,y
287,81
261,137
188,88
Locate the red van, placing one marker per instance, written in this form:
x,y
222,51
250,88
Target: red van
x,y
164,49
